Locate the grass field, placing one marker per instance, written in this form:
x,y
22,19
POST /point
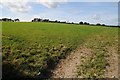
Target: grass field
x,y
29,49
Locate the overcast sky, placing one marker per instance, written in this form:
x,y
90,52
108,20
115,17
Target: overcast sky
x,y
95,11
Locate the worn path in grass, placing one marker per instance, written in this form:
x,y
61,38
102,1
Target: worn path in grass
x,y
67,67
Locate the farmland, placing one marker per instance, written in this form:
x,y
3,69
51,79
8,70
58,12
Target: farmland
x,y
30,49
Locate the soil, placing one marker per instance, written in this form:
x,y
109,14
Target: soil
x,y
67,68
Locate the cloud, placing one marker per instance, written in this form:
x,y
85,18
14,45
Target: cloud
x,y
22,6
51,3
16,6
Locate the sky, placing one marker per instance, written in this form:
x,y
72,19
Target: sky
x,y
94,11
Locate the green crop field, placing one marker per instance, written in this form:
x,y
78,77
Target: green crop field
x,y
30,49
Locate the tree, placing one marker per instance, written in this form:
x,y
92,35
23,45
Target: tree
x,y
55,21
45,20
35,20
98,24
17,20
103,25
58,21
72,23
81,22
39,20
6,19
86,23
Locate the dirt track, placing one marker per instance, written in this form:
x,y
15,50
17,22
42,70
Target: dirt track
x,y
67,67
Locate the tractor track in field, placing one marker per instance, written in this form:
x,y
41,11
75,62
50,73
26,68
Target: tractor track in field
x,y
67,67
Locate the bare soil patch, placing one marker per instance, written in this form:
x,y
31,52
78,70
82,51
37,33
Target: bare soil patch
x,y
67,68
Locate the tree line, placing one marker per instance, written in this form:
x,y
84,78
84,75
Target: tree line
x,y
9,20
56,21
47,20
